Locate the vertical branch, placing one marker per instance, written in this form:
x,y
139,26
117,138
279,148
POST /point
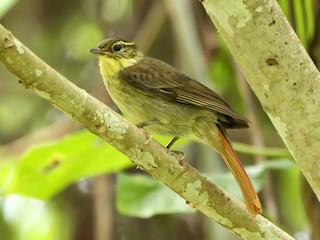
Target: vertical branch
x,y
103,225
279,71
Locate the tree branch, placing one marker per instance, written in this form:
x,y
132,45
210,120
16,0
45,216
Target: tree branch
x,y
280,72
150,156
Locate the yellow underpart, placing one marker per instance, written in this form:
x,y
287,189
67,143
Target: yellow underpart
x,y
109,67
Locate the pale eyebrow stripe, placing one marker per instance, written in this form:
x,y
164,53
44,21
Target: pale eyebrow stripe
x,y
127,43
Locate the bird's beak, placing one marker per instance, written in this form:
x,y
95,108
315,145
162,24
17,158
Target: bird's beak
x,y
96,51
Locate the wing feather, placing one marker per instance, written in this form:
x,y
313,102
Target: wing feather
x,y
156,77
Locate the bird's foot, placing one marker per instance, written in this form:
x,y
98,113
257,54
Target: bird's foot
x,y
177,154
149,136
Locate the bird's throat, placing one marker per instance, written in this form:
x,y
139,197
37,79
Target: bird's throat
x,y
110,67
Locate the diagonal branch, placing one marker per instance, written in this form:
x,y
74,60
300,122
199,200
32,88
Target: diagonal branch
x,y
199,192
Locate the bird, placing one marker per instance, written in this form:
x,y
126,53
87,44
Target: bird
x,y
162,100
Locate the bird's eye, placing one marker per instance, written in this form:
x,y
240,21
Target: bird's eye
x,y
117,47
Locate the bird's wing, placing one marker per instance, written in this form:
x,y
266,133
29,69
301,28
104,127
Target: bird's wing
x,y
153,76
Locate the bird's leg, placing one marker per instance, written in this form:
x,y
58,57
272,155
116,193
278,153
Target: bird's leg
x,y
170,144
178,154
147,123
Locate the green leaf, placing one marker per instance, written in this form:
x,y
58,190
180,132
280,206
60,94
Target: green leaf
x,y
46,169
5,6
142,196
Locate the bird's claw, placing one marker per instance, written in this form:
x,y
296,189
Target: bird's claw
x,y
149,136
178,154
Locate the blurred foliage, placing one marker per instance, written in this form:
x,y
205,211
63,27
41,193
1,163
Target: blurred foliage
x,y
61,32
290,189
301,16
143,196
45,221
46,169
5,6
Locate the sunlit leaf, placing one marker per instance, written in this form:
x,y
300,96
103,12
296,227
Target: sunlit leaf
x,y
46,169
6,5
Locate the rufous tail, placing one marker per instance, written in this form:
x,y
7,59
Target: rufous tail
x,y
250,196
